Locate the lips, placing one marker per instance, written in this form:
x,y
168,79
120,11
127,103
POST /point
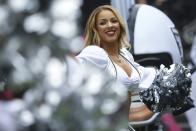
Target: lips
x,y
110,32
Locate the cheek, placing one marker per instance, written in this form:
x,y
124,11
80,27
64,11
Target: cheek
x,y
118,32
100,31
118,29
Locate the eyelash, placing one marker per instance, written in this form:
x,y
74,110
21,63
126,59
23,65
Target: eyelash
x,y
112,21
102,23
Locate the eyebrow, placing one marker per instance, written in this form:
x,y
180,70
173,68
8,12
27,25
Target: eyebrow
x,y
106,19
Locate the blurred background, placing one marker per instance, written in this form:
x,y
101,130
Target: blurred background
x,y
37,41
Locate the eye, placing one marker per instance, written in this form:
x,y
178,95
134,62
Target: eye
x,y
102,23
114,21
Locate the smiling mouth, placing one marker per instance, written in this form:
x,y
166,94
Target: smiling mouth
x,y
111,32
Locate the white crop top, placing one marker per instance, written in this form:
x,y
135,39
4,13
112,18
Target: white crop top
x,y
124,78
141,77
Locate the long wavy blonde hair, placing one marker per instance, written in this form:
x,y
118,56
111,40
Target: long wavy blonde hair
x,y
91,34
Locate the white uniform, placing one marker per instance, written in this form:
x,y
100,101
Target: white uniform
x,y
141,77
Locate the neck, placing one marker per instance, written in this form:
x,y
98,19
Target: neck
x,y
112,49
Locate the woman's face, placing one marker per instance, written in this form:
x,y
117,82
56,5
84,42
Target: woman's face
x,y
108,27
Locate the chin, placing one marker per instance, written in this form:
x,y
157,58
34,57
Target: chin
x,y
112,40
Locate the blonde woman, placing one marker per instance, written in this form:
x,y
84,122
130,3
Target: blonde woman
x,y
106,48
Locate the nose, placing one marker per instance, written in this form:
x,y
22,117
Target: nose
x,y
109,24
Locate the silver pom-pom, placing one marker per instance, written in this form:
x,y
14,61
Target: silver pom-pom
x,y
170,90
